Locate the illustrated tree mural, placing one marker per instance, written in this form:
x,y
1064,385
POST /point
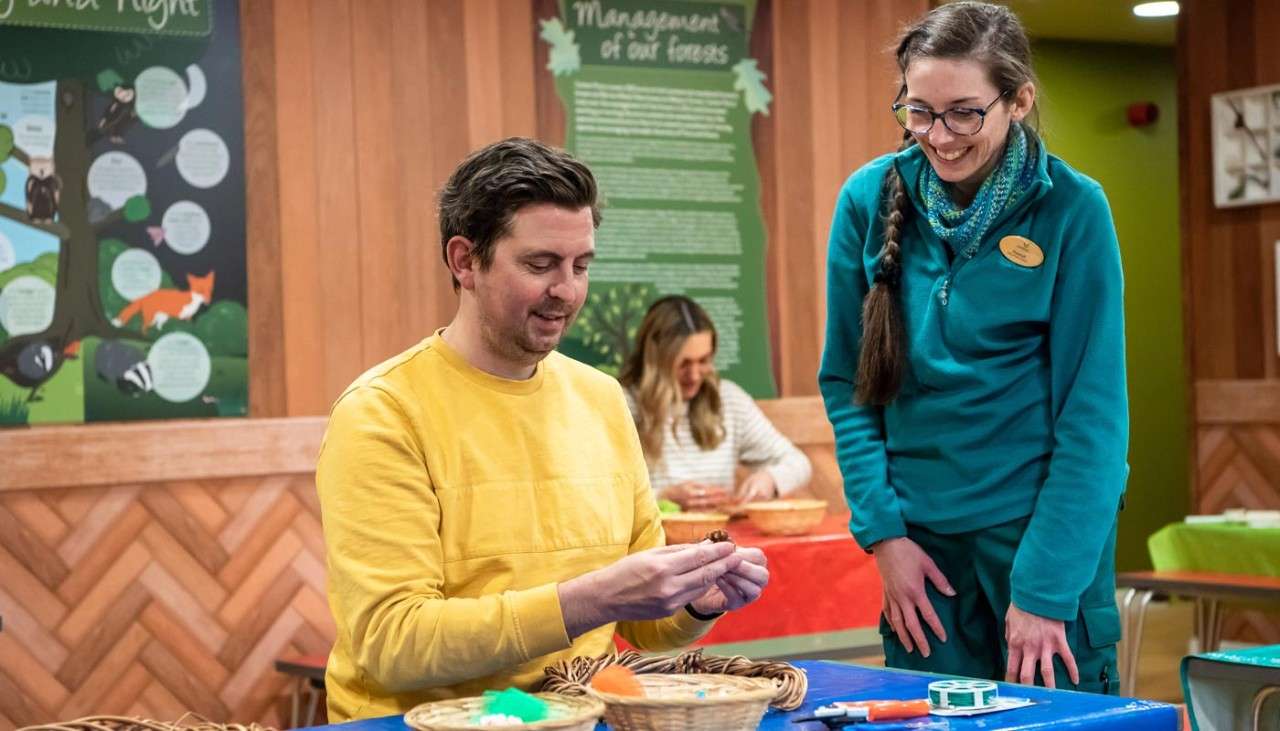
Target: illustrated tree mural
x,y
37,55
607,324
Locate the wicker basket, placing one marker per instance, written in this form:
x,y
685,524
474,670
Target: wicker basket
x,y
690,703
691,527
570,713
786,517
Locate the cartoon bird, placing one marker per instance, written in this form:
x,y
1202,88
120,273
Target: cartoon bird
x,y
36,363
120,113
124,367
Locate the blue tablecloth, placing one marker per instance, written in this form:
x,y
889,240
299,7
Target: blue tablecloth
x,y
829,681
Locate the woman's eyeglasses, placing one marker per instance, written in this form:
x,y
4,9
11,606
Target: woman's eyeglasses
x,y
960,120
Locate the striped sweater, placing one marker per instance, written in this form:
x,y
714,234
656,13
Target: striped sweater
x,y
750,439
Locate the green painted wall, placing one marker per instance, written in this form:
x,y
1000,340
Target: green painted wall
x,y
1085,88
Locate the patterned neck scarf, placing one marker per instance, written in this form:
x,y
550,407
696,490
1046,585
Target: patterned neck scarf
x,y
964,228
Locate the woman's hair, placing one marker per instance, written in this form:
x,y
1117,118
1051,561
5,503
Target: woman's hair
x,y
992,36
649,373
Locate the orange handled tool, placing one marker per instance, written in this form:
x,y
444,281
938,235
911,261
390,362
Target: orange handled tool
x,y
895,710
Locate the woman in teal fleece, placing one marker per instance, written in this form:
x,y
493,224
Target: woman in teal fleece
x,y
974,371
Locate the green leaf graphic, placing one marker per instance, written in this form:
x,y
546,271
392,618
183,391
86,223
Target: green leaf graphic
x,y
565,59
749,80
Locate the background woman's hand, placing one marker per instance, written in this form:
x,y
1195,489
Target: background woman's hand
x,y
904,567
696,495
759,485
1034,639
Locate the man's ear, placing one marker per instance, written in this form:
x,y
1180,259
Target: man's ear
x,y
461,263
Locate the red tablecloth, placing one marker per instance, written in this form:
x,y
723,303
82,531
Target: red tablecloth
x,y
821,582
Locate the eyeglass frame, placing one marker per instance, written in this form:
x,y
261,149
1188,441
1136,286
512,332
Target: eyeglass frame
x,y
935,116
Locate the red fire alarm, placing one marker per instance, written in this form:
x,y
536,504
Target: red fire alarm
x,y
1141,114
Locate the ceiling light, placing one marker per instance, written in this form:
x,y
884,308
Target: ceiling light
x,y
1155,10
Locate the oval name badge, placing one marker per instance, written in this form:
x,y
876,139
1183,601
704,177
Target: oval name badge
x,y
1022,251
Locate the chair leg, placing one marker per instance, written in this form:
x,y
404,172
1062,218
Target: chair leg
x,y
1258,701
312,702
1208,624
1126,638
293,701
1129,670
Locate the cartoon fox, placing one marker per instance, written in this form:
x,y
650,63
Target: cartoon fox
x,y
162,304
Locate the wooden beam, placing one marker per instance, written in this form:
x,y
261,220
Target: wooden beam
x,y
1237,402
112,454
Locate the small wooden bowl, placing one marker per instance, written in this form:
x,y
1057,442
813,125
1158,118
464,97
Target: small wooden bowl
x,y
699,702
691,527
569,713
786,517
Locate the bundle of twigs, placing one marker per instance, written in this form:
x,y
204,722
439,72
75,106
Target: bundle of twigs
x,y
571,677
189,722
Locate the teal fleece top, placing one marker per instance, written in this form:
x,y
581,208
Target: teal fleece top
x,y
1013,403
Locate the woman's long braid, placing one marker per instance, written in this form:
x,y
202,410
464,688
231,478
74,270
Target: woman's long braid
x,y
883,348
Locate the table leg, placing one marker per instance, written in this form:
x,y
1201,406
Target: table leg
x,y
1258,701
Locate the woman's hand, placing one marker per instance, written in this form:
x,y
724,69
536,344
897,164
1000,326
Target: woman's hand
x,y
1031,639
903,567
759,485
696,495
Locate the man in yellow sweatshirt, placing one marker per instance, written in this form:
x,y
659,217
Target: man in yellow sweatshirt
x,y
486,504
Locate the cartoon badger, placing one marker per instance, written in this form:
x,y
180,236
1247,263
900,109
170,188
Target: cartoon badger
x,y
123,366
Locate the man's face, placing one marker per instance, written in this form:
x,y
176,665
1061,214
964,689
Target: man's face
x,y
536,283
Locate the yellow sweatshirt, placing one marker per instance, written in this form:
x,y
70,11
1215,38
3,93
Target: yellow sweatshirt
x,y
453,502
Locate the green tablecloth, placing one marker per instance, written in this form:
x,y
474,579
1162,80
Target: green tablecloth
x,y
1216,547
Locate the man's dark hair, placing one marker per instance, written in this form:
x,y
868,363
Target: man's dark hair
x,y
486,190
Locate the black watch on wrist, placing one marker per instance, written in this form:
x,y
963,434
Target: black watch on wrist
x,y
699,615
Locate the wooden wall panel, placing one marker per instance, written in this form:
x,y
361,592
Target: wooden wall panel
x,y
359,111
122,608
1228,261
1229,287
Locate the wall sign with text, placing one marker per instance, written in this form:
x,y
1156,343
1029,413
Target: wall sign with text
x,y
659,96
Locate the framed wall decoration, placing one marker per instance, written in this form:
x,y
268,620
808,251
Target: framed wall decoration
x,y
1246,146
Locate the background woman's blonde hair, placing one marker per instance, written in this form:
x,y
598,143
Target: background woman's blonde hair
x,y
649,374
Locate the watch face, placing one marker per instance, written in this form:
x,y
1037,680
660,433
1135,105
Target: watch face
x,y
1246,146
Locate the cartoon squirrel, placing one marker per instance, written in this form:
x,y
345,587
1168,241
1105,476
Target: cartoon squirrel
x,y
44,190
162,304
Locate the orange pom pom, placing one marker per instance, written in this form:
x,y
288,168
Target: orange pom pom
x,y
617,680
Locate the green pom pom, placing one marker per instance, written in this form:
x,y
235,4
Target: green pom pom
x,y
6,142
668,506
515,702
108,79
137,209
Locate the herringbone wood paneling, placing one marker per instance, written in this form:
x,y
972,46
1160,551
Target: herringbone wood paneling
x,y
160,599
1238,466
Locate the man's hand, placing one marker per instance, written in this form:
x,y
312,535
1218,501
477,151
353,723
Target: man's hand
x,y
903,567
738,587
696,495
1034,639
647,585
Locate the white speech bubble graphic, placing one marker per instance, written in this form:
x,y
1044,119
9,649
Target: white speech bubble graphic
x,y
116,177
7,255
26,305
34,135
197,87
135,273
180,367
186,227
203,158
162,97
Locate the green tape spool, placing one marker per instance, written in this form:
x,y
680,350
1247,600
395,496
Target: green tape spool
x,y
954,694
